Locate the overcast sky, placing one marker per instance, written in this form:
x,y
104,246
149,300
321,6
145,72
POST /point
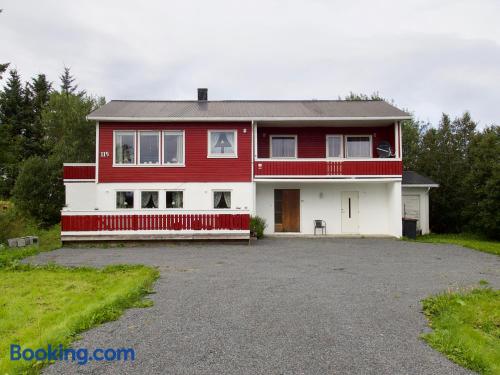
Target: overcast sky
x,y
429,56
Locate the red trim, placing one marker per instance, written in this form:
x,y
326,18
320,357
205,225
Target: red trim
x,y
79,172
329,168
86,223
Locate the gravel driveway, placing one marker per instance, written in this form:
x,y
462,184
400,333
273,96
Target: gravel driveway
x,y
282,306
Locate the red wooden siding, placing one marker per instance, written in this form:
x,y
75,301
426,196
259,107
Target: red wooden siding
x,y
311,141
328,168
79,172
85,223
198,168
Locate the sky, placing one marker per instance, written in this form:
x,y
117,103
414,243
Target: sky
x,y
428,57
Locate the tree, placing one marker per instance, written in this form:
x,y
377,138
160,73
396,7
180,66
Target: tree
x,y
39,190
3,68
355,96
14,124
443,157
39,90
412,131
69,135
483,181
67,83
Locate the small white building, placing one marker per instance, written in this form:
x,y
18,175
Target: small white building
x,y
415,194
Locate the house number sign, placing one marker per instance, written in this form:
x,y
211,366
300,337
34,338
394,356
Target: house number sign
x,y
104,154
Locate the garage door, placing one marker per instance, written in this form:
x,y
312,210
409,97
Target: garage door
x,y
411,207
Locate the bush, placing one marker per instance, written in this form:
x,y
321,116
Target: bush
x,y
257,226
39,190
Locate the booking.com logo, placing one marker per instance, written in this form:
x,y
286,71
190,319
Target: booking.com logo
x,y
82,356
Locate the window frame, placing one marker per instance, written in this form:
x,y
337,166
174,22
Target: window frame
x,y
358,136
134,133
125,191
222,191
174,191
341,146
150,191
296,149
173,132
222,156
138,141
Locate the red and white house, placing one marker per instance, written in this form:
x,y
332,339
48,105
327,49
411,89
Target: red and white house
x,y
199,169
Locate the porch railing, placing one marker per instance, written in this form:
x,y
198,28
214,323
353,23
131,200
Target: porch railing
x,y
78,171
136,222
327,168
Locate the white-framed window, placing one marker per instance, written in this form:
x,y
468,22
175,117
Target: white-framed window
x,y
125,199
124,146
175,199
149,147
173,148
149,199
358,146
222,199
334,147
222,144
283,146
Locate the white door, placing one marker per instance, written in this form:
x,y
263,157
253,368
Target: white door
x,y
411,208
350,212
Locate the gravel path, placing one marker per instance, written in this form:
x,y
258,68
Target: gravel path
x,y
281,306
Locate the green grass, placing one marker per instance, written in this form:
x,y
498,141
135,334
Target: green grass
x,y
467,240
52,304
49,239
466,327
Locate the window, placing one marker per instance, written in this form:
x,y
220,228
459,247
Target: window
x,y
173,148
283,146
175,199
149,199
333,146
222,199
125,199
358,146
222,144
124,147
149,147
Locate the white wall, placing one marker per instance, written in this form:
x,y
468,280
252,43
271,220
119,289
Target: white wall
x,y
196,197
423,193
379,210
80,196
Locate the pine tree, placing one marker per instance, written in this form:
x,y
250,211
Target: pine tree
x,y
67,84
39,90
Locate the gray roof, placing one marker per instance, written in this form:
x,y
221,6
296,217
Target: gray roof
x,y
413,178
247,109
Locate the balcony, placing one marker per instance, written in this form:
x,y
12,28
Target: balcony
x,y
324,168
75,172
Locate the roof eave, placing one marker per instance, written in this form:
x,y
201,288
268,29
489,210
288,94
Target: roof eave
x,y
421,185
222,119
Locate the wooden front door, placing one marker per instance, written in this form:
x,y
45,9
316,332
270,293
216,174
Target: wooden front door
x,y
287,210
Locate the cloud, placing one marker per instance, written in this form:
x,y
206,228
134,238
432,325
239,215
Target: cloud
x,y
429,57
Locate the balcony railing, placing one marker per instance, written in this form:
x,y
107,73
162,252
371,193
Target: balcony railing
x,y
327,168
79,171
154,222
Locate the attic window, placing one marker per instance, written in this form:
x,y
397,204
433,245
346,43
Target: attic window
x,y
222,144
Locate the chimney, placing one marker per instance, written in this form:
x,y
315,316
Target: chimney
x,y
202,94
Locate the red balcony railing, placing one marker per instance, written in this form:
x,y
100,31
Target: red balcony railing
x,y
79,171
119,222
327,168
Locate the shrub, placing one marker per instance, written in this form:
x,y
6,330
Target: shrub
x,y
39,190
257,226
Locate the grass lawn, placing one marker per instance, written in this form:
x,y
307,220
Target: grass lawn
x,y
466,240
466,328
51,304
49,239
